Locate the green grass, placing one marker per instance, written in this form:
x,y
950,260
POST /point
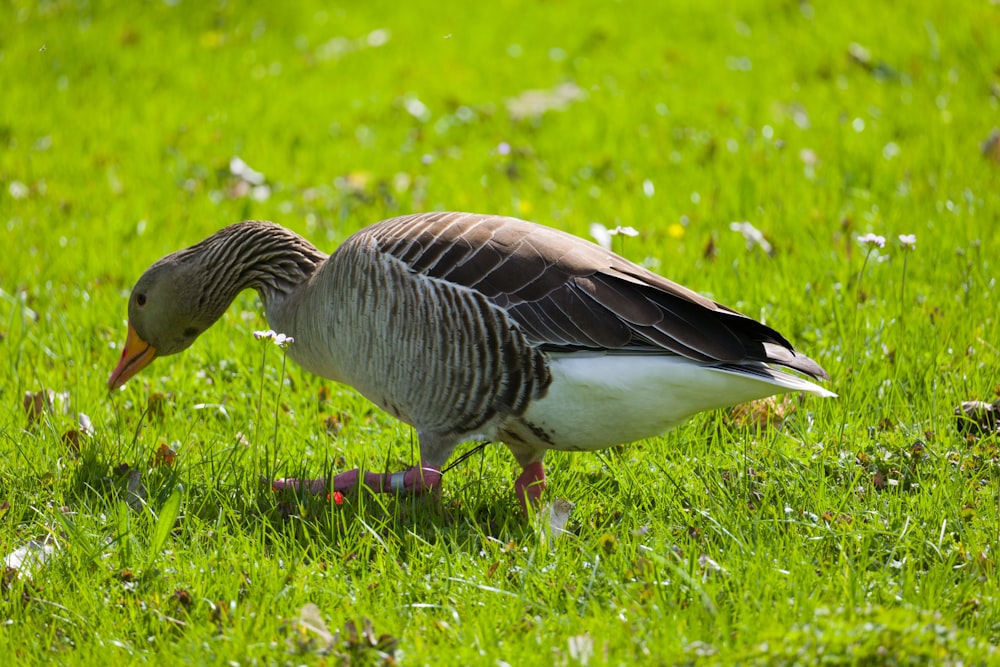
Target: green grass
x,y
861,530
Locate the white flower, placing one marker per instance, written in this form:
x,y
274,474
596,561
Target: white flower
x,y
872,239
908,241
18,190
281,340
624,231
243,171
753,236
603,235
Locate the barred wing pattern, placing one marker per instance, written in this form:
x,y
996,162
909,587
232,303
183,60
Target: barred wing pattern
x,y
568,294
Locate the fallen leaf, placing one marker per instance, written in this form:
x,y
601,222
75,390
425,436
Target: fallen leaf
x,y
71,441
555,516
31,556
991,146
322,397
183,596
333,425
311,619
762,413
164,457
710,252
354,642
221,613
8,577
885,480
135,495
35,404
156,405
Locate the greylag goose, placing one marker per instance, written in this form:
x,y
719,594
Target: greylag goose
x,y
473,327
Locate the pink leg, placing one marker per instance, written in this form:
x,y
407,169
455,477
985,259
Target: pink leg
x,y
417,479
530,484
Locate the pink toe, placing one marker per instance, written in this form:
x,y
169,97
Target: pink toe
x,y
313,486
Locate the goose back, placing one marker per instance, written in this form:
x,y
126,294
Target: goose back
x,y
568,294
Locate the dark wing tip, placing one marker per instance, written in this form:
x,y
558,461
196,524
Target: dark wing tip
x,y
786,356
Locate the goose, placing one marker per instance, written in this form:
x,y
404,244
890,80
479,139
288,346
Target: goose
x,y
473,327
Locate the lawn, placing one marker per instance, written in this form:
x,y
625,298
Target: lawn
x,y
857,530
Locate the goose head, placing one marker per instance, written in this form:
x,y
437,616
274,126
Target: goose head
x,y
186,292
167,311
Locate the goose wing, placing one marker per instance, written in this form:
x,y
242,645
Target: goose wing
x,y
568,294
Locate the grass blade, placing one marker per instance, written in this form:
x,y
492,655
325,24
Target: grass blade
x,y
164,524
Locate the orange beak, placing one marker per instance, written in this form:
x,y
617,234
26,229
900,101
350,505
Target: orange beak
x,y
136,356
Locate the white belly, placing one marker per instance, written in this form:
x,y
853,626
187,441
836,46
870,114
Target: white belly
x,y
598,401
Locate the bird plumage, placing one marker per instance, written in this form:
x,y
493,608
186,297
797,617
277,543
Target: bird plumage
x,y
472,326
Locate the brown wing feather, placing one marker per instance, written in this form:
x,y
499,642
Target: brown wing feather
x,y
567,293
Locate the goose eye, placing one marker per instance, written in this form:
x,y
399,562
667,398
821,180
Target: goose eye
x,y
140,299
